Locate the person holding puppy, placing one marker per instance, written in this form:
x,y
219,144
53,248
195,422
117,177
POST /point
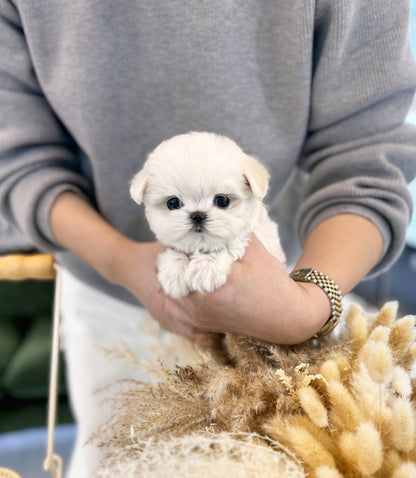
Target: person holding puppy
x,y
86,93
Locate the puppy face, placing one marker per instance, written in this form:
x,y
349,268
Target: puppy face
x,y
200,191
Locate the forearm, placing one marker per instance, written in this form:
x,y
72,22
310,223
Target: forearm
x,y
346,248
80,229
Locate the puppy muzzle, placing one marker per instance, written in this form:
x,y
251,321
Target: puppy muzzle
x,y
198,218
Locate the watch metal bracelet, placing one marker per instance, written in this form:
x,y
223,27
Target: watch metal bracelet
x,y
330,289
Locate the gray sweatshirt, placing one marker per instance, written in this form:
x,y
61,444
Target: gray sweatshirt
x,y
89,88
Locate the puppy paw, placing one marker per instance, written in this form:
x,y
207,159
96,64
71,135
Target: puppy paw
x,y
207,272
237,248
171,273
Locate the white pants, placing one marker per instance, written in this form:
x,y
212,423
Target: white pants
x,y
91,321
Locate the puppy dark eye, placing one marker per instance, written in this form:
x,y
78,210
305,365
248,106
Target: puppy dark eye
x,y
174,203
221,201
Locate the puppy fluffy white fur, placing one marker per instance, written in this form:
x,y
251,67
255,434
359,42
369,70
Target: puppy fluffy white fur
x,y
203,198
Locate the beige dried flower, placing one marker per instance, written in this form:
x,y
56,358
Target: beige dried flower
x,y
372,398
403,431
405,470
307,448
346,445
379,361
401,382
345,411
369,448
358,329
327,472
352,313
330,370
380,334
402,336
392,461
387,314
363,449
312,404
344,405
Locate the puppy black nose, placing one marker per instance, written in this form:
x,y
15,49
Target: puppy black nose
x,y
198,217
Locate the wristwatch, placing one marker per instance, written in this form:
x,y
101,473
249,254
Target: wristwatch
x,y
330,289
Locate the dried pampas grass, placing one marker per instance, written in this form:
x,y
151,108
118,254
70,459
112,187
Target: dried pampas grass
x,y
343,406
205,455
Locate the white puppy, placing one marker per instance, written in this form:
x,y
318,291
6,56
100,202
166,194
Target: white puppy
x,y
203,198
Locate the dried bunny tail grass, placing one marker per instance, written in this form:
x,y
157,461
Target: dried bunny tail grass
x,y
345,367
352,313
323,435
326,472
380,334
392,461
312,405
405,470
305,444
402,337
403,431
401,382
369,448
313,445
310,450
330,370
373,399
357,326
363,449
379,361
387,314
344,410
346,445
200,455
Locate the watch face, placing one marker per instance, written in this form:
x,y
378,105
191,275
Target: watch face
x,y
330,289
301,274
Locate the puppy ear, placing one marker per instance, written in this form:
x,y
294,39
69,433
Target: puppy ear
x,y
138,186
256,176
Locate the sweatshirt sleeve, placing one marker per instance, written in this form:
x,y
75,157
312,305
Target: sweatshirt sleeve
x,y
37,160
359,152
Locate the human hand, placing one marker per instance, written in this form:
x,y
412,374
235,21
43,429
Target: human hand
x,y
260,300
136,270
